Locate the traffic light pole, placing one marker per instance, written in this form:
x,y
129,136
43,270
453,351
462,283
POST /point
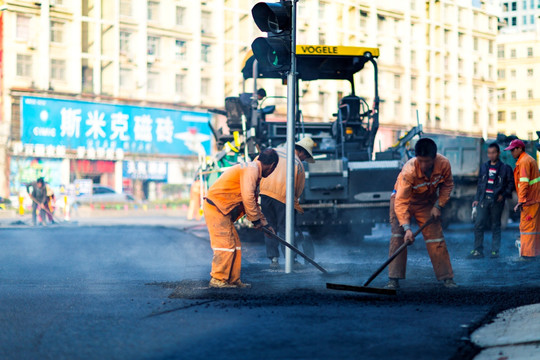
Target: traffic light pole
x,y
291,124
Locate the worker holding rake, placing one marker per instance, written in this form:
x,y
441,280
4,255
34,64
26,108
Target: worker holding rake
x,y
422,190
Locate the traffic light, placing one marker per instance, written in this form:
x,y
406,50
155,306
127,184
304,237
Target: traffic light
x,y
273,51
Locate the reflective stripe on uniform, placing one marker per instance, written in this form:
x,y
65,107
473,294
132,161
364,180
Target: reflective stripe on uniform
x,y
397,235
524,179
238,248
222,249
434,240
532,182
530,233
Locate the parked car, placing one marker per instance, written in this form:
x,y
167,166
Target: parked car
x,y
103,194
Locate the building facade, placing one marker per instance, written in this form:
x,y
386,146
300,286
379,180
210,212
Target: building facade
x,y
156,63
518,50
438,59
437,65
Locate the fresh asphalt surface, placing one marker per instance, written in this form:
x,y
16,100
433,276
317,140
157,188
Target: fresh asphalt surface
x,y
100,290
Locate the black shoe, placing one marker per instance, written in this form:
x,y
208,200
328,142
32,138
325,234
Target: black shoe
x,y
475,254
494,254
392,284
274,265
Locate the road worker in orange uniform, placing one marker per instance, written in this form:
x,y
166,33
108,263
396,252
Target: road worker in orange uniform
x,y
273,191
233,195
195,201
527,180
422,190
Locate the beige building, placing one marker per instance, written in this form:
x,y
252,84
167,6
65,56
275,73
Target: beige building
x,y
437,58
518,88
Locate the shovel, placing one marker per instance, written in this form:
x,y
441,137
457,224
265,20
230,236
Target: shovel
x,y
371,290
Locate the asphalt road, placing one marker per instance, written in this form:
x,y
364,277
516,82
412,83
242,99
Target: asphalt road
x,y
109,291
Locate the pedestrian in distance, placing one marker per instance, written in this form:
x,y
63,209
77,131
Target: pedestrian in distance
x,y
422,190
495,185
38,193
527,180
273,193
233,195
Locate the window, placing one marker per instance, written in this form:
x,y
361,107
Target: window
x,y
530,94
446,36
380,22
461,38
530,72
501,116
532,20
322,11
413,83
530,114
57,32
22,31
513,115
205,53
180,15
475,42
206,22
501,74
476,118
153,11
413,57
490,118
524,4
153,46
126,78
125,42
501,94
513,53
513,73
460,65
24,65
500,51
58,69
125,8
475,68
397,55
513,95
532,4
514,21
524,19
363,19
397,82
397,108
179,84
180,50
205,87
153,82
490,46
514,6
490,71
529,52
505,7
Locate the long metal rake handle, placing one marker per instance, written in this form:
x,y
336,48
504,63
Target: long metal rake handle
x,y
295,249
396,253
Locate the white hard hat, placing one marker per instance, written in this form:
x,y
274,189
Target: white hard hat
x,y
307,144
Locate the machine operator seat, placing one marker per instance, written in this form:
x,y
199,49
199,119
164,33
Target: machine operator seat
x,y
350,108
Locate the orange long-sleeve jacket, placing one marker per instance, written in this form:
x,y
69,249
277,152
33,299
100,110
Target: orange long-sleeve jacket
x,y
237,189
274,185
527,180
415,188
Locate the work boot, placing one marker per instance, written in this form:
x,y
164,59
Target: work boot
x,y
494,255
475,254
524,259
298,266
241,285
220,284
392,284
450,284
274,264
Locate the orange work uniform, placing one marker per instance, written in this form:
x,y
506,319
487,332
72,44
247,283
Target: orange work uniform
x,y
234,194
415,195
527,180
275,185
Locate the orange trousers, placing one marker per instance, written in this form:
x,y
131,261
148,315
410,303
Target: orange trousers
x,y
529,228
433,236
225,243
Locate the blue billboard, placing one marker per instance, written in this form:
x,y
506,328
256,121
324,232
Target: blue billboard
x,y
133,129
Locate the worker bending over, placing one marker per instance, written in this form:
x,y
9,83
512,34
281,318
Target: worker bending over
x,y
527,180
233,195
273,191
422,190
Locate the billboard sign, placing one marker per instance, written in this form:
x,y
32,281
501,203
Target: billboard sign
x,y
109,127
